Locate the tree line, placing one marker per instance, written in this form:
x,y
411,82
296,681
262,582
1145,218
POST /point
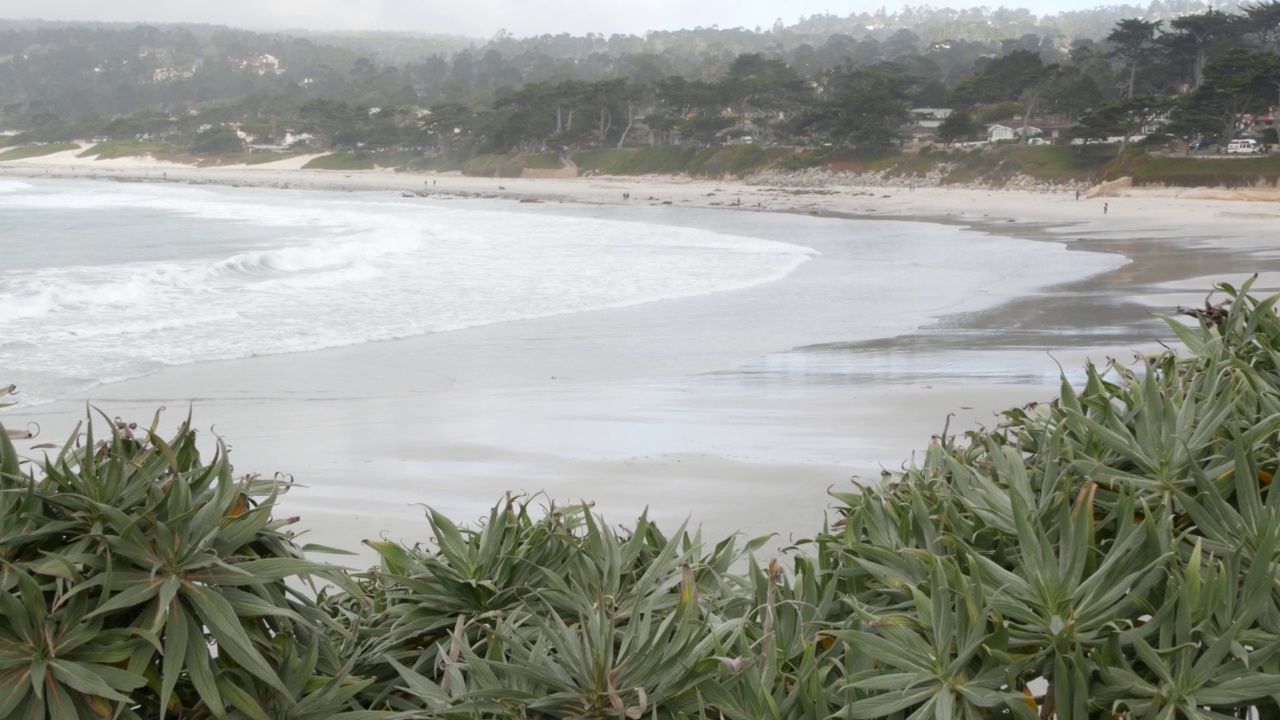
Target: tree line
x,y
1199,74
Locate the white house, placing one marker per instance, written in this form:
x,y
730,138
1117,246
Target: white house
x,y
999,133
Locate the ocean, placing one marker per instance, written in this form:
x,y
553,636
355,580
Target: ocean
x,y
103,281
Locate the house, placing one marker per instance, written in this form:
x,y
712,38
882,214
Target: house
x,y
170,74
1000,133
929,118
1257,124
1014,130
261,63
916,133
1053,127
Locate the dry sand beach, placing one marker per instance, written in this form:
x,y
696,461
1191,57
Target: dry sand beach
x,y
738,410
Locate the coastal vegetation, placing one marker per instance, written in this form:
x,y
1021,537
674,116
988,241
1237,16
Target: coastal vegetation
x,y
1111,553
340,161
129,148
30,151
706,101
1181,172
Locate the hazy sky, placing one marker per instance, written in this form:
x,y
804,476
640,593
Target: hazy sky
x,y
479,18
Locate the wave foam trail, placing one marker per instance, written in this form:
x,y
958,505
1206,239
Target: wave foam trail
x,y
315,257
292,272
11,186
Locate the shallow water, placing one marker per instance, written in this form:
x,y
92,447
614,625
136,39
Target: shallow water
x,y
104,281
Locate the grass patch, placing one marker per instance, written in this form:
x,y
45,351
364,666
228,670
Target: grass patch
x,y
30,151
1061,162
672,159
1200,172
542,161
129,148
340,161
842,160
666,160
494,165
738,160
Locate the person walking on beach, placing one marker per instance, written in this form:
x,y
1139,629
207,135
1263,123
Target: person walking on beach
x,y
1104,208
1077,196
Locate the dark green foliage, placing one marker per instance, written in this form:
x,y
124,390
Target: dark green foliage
x,y
126,563
217,141
866,108
1001,80
1240,81
1119,540
959,125
1134,40
453,101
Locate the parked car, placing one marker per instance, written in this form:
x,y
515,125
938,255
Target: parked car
x,y
1038,141
1243,147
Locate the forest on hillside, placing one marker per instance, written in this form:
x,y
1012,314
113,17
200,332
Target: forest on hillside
x,y
826,81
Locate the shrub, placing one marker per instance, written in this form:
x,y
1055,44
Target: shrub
x,y
137,581
217,141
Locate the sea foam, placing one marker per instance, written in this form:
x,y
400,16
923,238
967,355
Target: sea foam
x,y
129,278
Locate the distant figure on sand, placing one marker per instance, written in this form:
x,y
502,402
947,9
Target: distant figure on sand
x,y
1104,208
1077,196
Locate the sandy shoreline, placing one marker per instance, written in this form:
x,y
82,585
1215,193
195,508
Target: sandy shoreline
x,y
1129,208
747,438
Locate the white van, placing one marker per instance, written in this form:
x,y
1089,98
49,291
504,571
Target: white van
x,y
1243,147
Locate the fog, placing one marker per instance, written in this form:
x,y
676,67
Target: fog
x,y
473,18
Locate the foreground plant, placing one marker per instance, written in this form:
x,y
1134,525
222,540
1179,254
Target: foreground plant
x,y
138,582
560,616
1117,544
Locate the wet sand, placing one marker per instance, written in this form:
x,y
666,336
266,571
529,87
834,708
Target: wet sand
x,y
737,410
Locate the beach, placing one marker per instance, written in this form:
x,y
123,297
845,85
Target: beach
x,y
737,411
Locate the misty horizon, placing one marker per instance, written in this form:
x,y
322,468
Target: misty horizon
x,y
485,19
